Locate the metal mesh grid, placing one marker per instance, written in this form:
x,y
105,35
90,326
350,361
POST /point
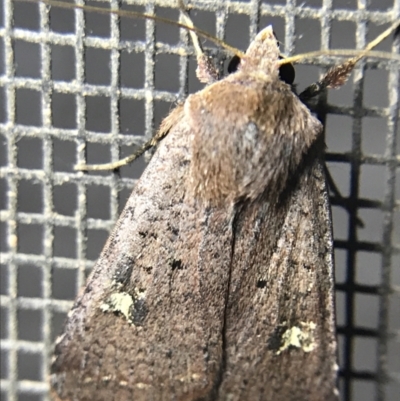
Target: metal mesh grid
x,y
75,85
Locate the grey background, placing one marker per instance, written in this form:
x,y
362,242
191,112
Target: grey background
x,y
63,218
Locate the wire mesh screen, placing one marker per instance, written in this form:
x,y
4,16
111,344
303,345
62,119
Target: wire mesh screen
x,y
84,87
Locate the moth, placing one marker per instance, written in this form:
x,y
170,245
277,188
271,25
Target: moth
x,y
217,280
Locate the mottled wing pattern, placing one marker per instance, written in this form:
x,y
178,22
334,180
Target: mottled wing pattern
x,y
148,324
280,326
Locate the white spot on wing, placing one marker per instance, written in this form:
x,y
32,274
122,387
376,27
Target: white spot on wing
x,y
299,337
120,302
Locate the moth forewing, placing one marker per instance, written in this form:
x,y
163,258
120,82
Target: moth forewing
x,y
281,337
167,343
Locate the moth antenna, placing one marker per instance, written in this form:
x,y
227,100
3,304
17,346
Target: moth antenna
x,y
337,76
188,21
395,27
136,14
206,71
334,78
338,53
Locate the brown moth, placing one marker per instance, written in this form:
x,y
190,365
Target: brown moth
x,y
217,281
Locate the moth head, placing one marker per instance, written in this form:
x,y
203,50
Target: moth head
x,y
263,54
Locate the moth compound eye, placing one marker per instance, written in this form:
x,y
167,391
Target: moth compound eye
x,y
233,64
287,73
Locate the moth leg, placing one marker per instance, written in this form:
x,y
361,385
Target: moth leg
x,y
310,92
337,76
342,71
206,71
334,78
